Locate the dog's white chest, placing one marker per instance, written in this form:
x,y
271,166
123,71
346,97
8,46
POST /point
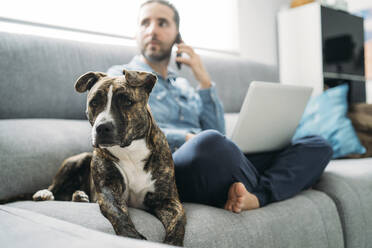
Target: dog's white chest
x,y
131,165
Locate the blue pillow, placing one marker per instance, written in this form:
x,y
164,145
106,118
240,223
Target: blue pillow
x,y
326,115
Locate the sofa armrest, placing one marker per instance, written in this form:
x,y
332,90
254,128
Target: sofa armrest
x,y
23,228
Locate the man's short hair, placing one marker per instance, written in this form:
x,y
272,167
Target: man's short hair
x,y
176,16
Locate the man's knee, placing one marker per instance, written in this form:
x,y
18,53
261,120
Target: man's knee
x,y
204,145
313,141
316,145
194,150
209,140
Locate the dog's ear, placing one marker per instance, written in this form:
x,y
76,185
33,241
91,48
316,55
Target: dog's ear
x,y
130,77
140,79
149,82
85,82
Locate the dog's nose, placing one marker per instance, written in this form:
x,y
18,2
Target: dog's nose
x,y
105,129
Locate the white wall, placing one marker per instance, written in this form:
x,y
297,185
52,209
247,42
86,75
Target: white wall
x,y
258,29
355,5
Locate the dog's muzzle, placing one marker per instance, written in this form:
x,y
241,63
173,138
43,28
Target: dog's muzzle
x,y
104,134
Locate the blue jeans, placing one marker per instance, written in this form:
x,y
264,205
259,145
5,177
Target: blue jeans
x,y
208,164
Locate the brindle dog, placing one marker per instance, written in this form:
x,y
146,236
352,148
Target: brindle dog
x,y
131,165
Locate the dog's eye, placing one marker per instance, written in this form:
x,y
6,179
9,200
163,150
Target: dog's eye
x,y
125,100
93,103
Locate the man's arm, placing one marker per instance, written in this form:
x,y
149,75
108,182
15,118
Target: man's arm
x,y
196,65
212,114
175,137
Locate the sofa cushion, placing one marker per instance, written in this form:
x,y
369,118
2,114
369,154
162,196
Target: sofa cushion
x,y
32,150
89,215
21,228
291,223
325,115
349,183
37,74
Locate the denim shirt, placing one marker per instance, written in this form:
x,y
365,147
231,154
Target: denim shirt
x,y
176,106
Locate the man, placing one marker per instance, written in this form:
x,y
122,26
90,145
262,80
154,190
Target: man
x,y
210,169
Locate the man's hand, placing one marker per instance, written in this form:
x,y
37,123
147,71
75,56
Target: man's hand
x,y
189,136
195,63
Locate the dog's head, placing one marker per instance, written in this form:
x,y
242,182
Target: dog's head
x,y
117,106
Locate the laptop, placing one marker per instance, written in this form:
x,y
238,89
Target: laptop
x,y
269,116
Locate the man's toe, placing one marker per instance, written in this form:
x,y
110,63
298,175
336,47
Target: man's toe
x,y
236,209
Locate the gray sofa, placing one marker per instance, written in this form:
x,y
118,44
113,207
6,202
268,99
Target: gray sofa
x,y
42,122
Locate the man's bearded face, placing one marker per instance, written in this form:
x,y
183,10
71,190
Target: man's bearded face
x,y
155,50
157,32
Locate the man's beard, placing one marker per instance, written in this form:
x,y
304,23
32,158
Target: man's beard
x,y
160,56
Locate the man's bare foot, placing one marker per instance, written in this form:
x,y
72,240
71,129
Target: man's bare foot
x,y
239,199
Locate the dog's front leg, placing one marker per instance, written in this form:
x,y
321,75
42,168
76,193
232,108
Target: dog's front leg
x,y
112,195
118,215
172,215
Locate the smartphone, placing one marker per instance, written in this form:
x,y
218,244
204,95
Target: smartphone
x,y
178,41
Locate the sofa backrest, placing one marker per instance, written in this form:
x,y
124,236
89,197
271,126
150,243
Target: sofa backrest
x,y
37,75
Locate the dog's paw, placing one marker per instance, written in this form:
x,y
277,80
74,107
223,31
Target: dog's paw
x,y
43,195
80,196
